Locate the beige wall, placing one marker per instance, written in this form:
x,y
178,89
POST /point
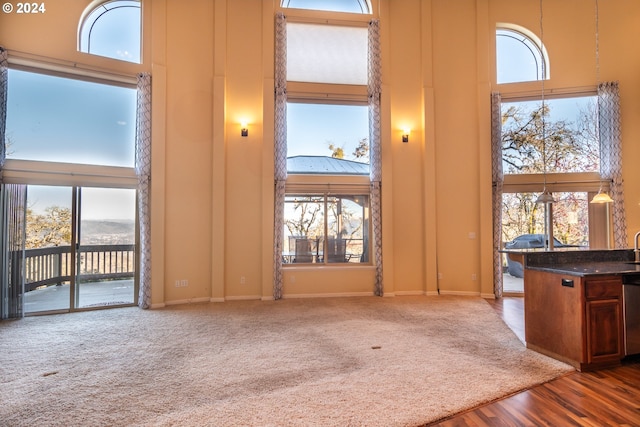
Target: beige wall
x,y
212,66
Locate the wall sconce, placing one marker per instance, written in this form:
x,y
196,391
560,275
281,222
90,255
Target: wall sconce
x,y
405,135
244,131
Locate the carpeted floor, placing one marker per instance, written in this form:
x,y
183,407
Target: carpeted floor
x,y
400,361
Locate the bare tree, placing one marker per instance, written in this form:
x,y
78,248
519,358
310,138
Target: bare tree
x,y
534,143
308,217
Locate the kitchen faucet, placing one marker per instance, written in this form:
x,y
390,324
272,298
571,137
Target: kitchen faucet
x,y
636,248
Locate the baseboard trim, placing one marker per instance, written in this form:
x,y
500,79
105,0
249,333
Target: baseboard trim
x,y
243,298
460,293
329,295
187,301
408,293
321,295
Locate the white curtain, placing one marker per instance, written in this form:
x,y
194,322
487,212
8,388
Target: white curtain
x,y
497,177
143,172
611,155
374,88
280,154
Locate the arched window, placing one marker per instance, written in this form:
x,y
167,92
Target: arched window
x,y
112,29
520,56
349,6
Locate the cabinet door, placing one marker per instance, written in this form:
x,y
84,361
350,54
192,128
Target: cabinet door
x,y
604,330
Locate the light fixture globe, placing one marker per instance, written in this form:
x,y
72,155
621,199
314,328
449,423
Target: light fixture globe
x,y
601,198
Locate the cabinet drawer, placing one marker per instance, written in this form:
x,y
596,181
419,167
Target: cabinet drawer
x,y
603,288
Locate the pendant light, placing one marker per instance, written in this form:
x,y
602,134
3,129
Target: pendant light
x,y
601,197
545,197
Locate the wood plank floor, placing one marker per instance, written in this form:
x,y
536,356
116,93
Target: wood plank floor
x,y
609,397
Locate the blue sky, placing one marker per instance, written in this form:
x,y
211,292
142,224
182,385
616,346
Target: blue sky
x,y
311,127
72,121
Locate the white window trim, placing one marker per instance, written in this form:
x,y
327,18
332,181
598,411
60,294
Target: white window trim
x,y
95,4
59,68
546,67
53,173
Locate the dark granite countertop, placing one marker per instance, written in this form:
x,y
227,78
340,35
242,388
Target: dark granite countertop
x,y
592,268
580,262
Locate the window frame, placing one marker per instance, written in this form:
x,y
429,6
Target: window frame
x,y
327,93
545,67
332,94
370,4
578,182
302,185
35,172
85,20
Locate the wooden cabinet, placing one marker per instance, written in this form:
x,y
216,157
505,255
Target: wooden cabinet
x,y
575,319
604,320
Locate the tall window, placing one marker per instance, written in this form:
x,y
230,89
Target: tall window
x,y
556,147
561,139
56,119
327,203
520,56
113,30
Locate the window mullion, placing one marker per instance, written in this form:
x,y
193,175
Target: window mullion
x,y
326,230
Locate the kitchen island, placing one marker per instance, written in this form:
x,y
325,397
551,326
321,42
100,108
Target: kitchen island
x,y
574,304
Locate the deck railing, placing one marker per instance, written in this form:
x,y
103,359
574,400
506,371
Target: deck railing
x,y
53,265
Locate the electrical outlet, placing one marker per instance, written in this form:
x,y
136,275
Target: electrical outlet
x,y
474,276
243,280
182,283
439,275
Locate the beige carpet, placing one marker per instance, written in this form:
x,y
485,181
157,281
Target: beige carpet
x,y
400,361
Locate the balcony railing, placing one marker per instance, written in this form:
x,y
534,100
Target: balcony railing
x,y
53,265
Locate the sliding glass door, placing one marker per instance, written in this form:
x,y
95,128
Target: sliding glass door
x,y
79,248
105,254
47,256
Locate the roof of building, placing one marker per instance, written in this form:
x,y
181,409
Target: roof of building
x,y
325,165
